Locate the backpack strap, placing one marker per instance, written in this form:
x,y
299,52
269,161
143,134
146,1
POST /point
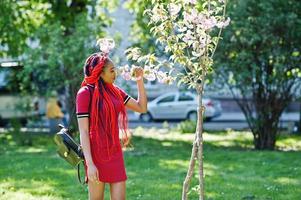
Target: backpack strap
x,y
78,174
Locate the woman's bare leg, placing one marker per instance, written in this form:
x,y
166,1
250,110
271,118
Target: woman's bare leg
x,y
117,191
96,190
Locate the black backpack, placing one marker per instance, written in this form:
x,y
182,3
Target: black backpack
x,y
69,149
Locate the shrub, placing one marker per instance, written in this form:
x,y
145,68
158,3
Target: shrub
x,y
186,126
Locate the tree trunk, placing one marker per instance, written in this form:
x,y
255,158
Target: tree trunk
x,y
265,140
263,114
201,109
265,135
197,153
299,126
71,108
190,170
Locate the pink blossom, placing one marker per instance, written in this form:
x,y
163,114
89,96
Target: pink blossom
x,y
186,16
209,23
126,75
205,40
191,17
200,18
106,44
188,37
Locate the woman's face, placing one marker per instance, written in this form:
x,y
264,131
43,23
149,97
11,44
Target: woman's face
x,y
109,73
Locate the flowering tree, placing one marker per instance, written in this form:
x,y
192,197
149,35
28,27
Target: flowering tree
x,y
189,31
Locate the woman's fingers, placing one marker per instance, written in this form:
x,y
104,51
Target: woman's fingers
x,y
94,177
97,177
139,71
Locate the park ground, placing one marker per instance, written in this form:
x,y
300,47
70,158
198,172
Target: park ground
x,y
156,167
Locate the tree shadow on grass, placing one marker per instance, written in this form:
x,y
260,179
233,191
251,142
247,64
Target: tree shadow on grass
x,y
222,165
37,170
156,169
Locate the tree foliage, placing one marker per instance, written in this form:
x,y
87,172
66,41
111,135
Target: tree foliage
x,y
52,40
259,61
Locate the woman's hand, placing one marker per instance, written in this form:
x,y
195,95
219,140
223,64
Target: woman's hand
x,y
139,72
92,173
139,105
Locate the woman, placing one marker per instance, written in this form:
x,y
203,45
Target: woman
x,y
100,106
54,113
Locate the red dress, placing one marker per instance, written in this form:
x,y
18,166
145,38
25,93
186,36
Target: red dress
x,y
110,169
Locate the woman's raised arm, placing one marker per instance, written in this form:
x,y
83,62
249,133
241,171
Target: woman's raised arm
x,y
139,105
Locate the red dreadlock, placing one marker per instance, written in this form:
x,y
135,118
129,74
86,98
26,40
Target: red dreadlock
x,y
102,107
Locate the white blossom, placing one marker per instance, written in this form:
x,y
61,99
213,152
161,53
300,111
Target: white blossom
x,y
127,68
168,80
150,77
149,73
223,24
174,9
161,76
158,14
155,18
188,38
184,29
198,52
190,2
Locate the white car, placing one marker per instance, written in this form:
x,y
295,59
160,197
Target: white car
x,y
179,105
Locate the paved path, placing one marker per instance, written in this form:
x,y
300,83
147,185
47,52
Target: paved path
x,y
234,121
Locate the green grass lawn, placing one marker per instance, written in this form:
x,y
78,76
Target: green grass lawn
x,y
156,168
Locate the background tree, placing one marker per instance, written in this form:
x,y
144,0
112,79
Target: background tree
x,y
140,31
52,39
261,33
17,23
260,62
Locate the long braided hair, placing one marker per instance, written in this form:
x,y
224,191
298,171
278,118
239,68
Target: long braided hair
x,y
102,107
